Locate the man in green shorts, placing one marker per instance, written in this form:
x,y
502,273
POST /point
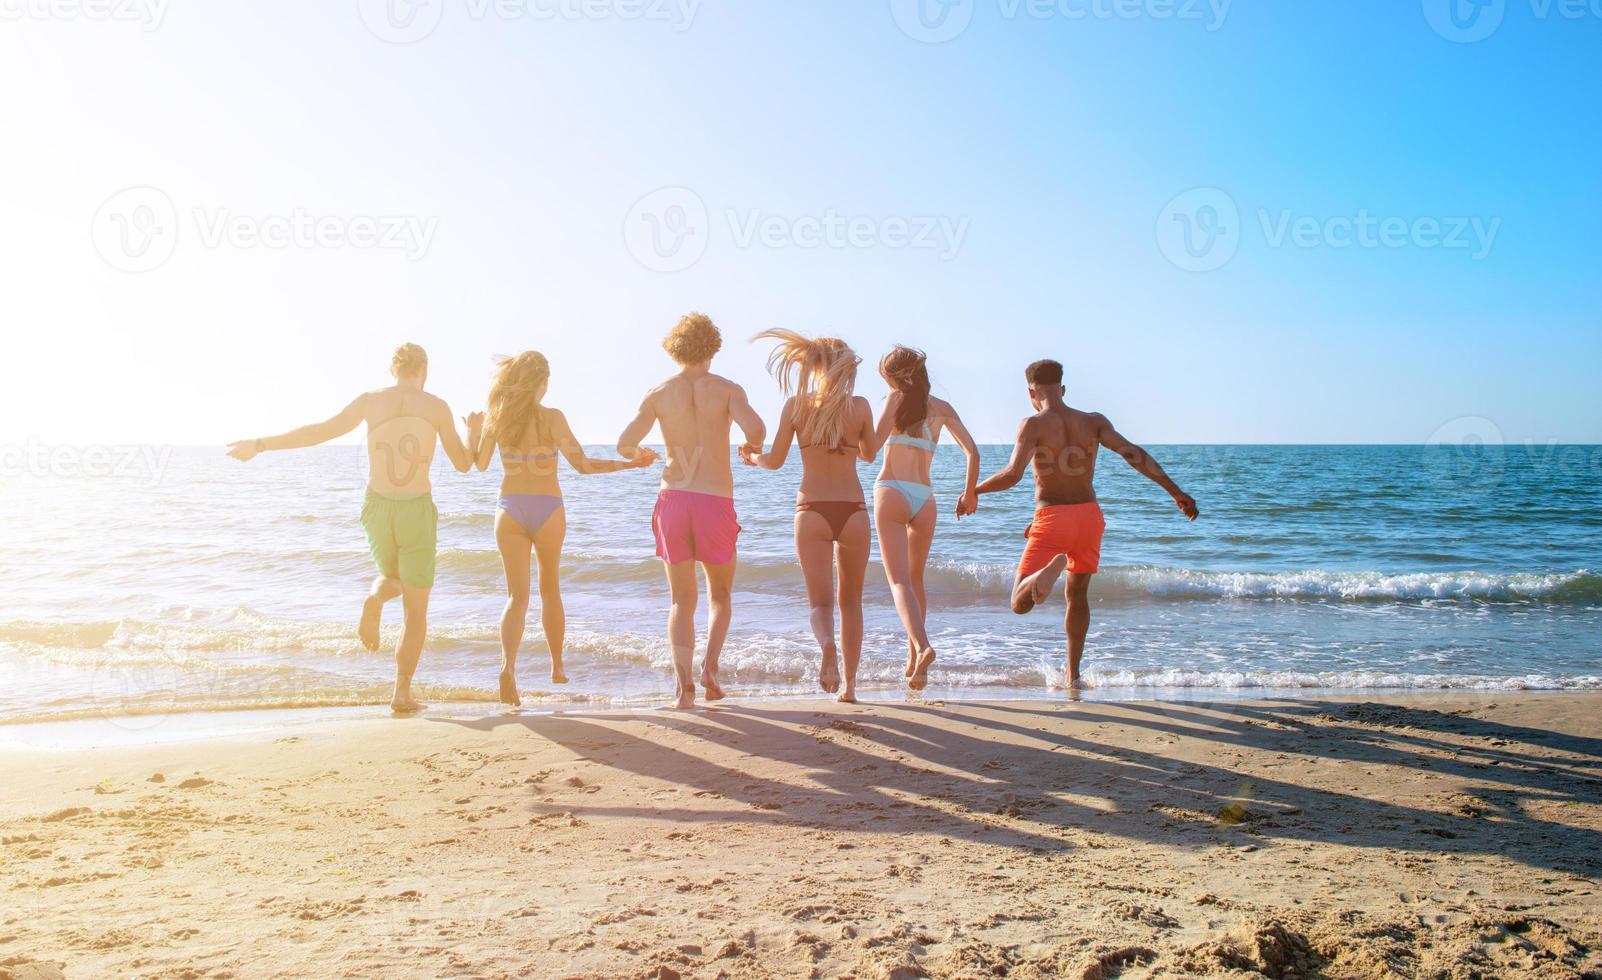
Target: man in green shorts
x,y
404,423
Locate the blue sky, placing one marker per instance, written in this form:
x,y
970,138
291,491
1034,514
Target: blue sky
x,y
516,157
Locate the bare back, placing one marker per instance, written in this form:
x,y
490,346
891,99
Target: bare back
x,y
402,433
830,474
695,414
1065,442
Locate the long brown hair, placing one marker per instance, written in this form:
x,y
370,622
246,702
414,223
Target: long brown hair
x,y
905,370
514,400
822,372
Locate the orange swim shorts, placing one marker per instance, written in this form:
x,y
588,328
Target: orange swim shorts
x,y
1069,529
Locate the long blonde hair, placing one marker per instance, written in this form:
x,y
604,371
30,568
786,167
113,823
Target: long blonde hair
x,y
822,373
514,400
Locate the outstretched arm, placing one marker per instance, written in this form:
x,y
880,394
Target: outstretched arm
x,y
969,501
1144,464
1022,453
747,419
568,445
628,444
307,435
775,457
451,440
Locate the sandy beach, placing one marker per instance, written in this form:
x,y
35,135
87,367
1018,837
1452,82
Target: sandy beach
x,y
1429,836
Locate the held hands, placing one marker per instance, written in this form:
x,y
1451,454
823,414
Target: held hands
x,y
643,457
244,450
967,504
750,454
1187,506
474,422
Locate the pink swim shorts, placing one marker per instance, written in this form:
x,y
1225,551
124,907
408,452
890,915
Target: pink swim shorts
x,y
699,526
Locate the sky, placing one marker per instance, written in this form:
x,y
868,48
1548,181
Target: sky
x,y
1373,221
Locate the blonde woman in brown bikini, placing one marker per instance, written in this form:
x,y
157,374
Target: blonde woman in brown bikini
x,y
834,429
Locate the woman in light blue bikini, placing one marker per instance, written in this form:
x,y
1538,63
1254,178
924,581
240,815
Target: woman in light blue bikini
x,y
530,518
903,496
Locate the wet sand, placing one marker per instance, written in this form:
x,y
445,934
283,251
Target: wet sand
x,y
1440,835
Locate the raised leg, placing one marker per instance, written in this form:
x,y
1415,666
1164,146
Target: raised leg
x,y
383,589
1033,589
514,544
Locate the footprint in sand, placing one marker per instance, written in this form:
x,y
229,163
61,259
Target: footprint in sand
x,y
194,782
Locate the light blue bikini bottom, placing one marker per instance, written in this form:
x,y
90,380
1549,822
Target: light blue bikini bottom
x,y
917,494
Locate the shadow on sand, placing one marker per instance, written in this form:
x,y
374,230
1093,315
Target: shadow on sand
x,y
1006,774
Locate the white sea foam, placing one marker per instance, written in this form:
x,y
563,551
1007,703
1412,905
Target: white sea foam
x,y
1580,586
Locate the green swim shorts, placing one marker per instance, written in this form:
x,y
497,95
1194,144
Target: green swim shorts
x,y
402,533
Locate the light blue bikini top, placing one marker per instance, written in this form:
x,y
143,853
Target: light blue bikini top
x,y
925,442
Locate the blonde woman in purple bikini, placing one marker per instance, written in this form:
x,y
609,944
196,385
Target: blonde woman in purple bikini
x,y
530,521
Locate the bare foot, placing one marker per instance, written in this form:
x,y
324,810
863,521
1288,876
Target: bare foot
x,y
714,691
383,590
558,675
920,675
1045,580
509,694
367,630
406,706
847,696
912,657
687,697
829,674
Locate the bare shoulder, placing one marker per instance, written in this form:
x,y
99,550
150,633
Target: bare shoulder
x,y
437,406
941,409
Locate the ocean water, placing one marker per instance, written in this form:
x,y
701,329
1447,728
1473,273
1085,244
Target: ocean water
x,y
181,580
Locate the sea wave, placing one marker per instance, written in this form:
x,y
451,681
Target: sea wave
x,y
1145,582
1158,680
991,580
1580,586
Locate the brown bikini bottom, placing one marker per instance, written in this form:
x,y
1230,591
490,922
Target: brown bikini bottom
x,y
835,512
